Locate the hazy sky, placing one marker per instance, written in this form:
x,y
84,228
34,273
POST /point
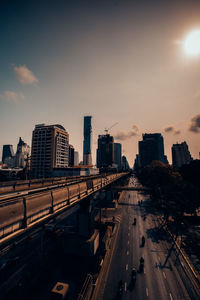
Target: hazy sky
x,y
119,61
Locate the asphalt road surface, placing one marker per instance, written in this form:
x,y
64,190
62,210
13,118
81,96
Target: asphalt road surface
x,y
165,276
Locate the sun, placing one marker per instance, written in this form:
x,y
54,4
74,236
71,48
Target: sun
x,y
192,43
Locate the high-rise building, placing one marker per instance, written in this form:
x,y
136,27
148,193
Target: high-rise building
x,y
125,164
7,152
71,156
151,148
118,155
105,151
76,158
50,149
22,154
180,155
87,155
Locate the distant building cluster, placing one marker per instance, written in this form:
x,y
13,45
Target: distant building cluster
x,y
18,160
52,155
151,148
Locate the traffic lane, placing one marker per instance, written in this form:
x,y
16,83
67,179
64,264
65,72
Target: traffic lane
x,y
142,288
173,282
152,274
119,263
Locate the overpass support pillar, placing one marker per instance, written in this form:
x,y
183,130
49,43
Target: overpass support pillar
x,y
85,219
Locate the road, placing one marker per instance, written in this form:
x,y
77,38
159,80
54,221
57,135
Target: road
x,y
165,276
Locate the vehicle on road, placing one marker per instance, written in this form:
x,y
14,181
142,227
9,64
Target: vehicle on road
x,y
141,266
134,222
133,276
120,289
143,241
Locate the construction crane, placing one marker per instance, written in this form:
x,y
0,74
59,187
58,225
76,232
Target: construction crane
x,y
107,129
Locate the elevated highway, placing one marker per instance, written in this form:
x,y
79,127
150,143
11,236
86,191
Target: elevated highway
x,y
26,211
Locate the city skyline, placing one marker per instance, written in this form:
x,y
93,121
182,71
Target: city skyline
x,y
121,61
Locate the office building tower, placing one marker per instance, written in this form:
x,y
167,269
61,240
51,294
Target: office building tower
x,y
151,148
118,155
76,158
125,164
22,154
50,149
71,156
180,155
87,155
7,152
105,151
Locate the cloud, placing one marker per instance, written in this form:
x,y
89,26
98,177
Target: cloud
x,y
169,129
122,135
24,75
195,124
12,96
176,132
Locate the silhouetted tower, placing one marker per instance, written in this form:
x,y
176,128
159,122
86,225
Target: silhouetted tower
x,y
7,152
87,155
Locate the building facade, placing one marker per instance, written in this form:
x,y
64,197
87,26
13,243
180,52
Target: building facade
x,y
22,154
118,155
50,149
87,132
151,148
71,156
105,151
76,158
180,155
8,152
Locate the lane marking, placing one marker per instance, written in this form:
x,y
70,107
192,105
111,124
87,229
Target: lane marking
x,y
128,242
128,234
164,275
170,295
126,267
125,286
147,292
127,252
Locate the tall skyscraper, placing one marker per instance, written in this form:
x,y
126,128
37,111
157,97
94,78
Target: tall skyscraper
x,y
118,155
22,154
7,152
87,154
151,148
105,151
180,155
50,149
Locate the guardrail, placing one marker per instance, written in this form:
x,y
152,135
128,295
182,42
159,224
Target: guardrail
x,y
23,212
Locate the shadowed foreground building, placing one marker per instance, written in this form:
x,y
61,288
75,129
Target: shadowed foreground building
x,y
180,155
50,149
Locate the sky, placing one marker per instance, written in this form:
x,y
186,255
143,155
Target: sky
x,y
120,61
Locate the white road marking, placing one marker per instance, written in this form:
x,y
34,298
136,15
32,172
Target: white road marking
x,y
128,242
127,252
144,271
164,275
126,267
159,258
125,286
147,292
128,234
170,295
